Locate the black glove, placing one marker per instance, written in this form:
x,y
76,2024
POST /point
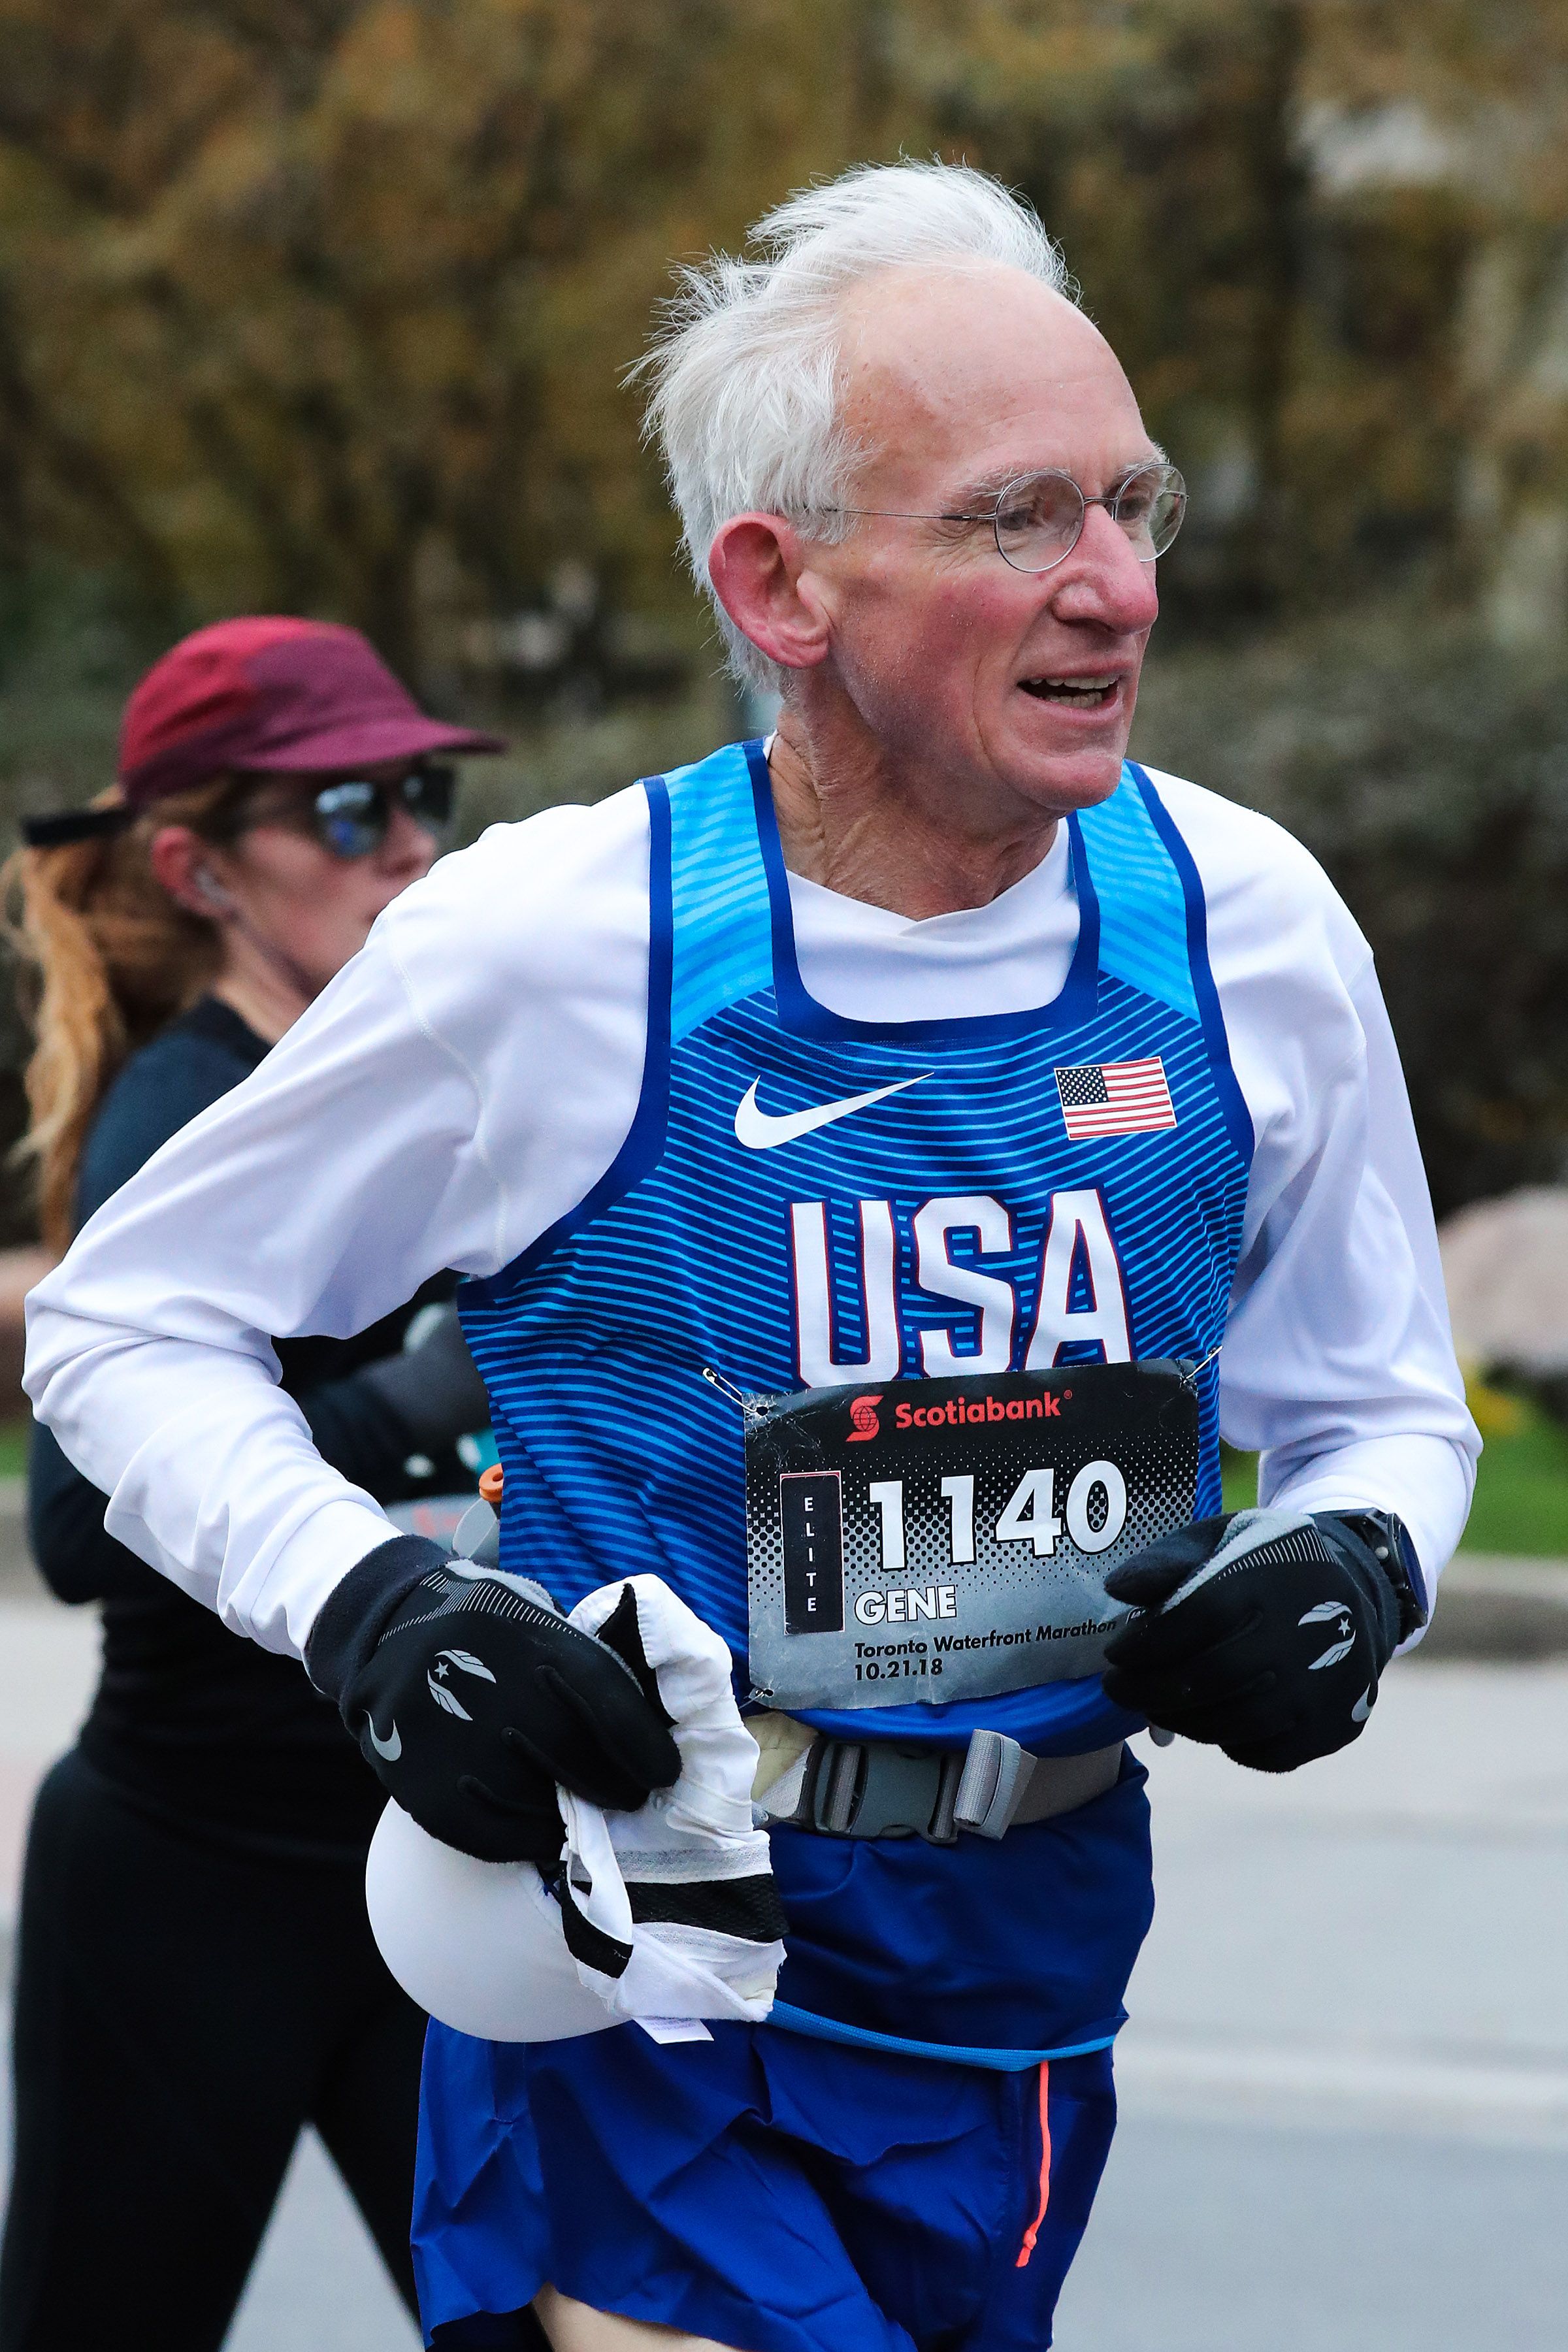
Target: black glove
x,y
470,1697
1263,1632
434,1387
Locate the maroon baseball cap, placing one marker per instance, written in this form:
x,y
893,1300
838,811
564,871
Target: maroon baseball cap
x,y
269,693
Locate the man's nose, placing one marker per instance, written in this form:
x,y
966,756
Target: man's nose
x,y
1104,580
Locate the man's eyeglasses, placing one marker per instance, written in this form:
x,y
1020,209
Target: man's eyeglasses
x,y
351,817
1039,520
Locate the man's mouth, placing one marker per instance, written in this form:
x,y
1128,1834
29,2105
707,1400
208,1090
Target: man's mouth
x,y
1078,693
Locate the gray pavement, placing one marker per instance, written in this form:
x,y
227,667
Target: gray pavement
x,y
1345,2088
318,2284
1212,2237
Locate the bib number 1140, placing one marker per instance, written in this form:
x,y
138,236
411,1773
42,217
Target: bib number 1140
x,y
1096,1513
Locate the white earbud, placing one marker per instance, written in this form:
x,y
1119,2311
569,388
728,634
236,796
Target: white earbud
x,y
211,892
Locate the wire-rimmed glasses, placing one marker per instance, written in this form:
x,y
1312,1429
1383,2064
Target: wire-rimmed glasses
x,y
1039,520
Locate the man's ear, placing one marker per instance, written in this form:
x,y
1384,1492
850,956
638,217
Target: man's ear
x,y
759,565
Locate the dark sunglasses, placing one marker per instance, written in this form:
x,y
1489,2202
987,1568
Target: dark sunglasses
x,y
351,817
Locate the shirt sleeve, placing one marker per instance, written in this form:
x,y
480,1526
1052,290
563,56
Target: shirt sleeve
x,y
1338,1367
460,1086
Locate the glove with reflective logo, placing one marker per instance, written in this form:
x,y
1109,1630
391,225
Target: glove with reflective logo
x,y
471,1696
1263,1632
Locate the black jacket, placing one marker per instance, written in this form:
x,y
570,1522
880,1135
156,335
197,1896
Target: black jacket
x,y
193,1722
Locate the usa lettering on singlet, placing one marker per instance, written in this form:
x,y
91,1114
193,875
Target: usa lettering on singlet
x,y
808,1201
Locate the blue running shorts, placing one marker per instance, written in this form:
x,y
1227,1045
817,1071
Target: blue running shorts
x,y
771,2192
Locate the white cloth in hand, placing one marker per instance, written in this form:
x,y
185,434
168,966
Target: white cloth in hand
x,y
671,1914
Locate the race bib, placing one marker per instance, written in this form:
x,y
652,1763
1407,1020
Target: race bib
x,y
949,1539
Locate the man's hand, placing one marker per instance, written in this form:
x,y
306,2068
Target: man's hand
x,y
1262,1633
471,1696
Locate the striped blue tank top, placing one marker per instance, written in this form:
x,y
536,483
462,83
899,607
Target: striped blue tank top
x,y
1061,1185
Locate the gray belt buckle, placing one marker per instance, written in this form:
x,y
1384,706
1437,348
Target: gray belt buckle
x,y
869,1789
996,1774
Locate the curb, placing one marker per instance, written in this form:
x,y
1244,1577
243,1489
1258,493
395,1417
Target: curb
x,y
1490,1607
19,1580
1495,1608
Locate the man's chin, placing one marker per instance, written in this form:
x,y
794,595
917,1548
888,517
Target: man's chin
x,y
1060,781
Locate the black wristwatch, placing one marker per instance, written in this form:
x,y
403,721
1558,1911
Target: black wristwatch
x,y
1387,1538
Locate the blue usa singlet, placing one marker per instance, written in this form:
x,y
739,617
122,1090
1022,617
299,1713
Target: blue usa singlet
x,y
1012,1190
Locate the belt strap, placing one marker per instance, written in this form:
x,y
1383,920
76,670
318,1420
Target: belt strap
x,y
874,1788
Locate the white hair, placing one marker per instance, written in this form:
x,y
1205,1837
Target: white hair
x,y
745,369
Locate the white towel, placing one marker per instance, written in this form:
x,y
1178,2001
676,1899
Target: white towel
x,y
667,1916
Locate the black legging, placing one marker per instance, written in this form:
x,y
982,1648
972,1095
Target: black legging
x,y
182,2011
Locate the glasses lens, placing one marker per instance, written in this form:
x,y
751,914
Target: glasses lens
x,y
427,795
1149,506
351,817
1038,521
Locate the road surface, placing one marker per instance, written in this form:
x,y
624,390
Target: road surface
x,y
1345,2086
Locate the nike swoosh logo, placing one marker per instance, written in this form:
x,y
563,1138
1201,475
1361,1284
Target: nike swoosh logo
x,y
389,1750
761,1131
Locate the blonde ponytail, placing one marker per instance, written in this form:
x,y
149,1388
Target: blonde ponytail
x,y
108,959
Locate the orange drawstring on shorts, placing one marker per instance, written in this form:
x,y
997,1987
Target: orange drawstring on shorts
x,y
1033,2231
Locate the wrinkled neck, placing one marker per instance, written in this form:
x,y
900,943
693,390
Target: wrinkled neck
x,y
848,822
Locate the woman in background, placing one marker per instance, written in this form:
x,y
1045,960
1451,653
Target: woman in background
x,y
195,1978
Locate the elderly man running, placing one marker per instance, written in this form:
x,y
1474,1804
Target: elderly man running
x,y
933,1061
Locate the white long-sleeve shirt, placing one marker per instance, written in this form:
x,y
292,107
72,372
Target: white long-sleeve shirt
x,y
470,1075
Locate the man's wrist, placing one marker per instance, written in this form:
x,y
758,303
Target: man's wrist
x,y
1387,1538
349,1620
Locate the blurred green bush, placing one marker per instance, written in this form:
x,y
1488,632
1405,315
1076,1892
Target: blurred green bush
x,y
324,305
1430,775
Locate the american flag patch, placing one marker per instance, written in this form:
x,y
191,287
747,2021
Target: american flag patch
x,y
1115,1098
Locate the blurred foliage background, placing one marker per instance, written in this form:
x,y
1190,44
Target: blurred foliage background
x,y
323,306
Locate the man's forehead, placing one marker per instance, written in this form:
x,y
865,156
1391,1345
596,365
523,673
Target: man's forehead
x,y
985,370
